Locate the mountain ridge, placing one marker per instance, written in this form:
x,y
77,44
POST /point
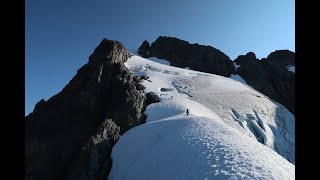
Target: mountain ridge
x,y
67,135
71,135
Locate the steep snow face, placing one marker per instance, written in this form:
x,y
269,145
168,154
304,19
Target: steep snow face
x,y
232,131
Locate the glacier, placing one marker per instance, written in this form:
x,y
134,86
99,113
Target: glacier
x,y
232,131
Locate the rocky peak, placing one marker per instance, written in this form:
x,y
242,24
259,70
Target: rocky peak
x,y
282,58
39,106
182,54
270,75
169,40
109,51
247,59
71,135
144,49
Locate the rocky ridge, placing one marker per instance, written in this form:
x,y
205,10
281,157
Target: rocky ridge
x,y
71,135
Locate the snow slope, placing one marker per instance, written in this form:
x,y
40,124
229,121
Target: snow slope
x,y
232,131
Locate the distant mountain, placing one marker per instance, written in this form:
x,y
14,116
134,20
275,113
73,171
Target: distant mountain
x,y
182,54
270,76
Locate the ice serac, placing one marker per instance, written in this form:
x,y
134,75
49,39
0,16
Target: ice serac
x,y
197,57
270,76
71,135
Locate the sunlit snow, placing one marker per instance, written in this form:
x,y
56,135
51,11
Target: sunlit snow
x,y
232,131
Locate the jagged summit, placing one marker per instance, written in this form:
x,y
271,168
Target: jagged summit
x,y
143,50
270,76
67,135
282,57
182,54
249,58
107,50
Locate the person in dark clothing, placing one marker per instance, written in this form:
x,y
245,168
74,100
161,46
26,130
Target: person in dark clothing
x,y
187,112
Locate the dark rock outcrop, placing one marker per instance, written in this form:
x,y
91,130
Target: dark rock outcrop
x,y
144,49
151,98
71,135
281,58
253,72
197,57
270,76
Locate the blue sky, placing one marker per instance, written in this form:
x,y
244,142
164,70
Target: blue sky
x,y
60,35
